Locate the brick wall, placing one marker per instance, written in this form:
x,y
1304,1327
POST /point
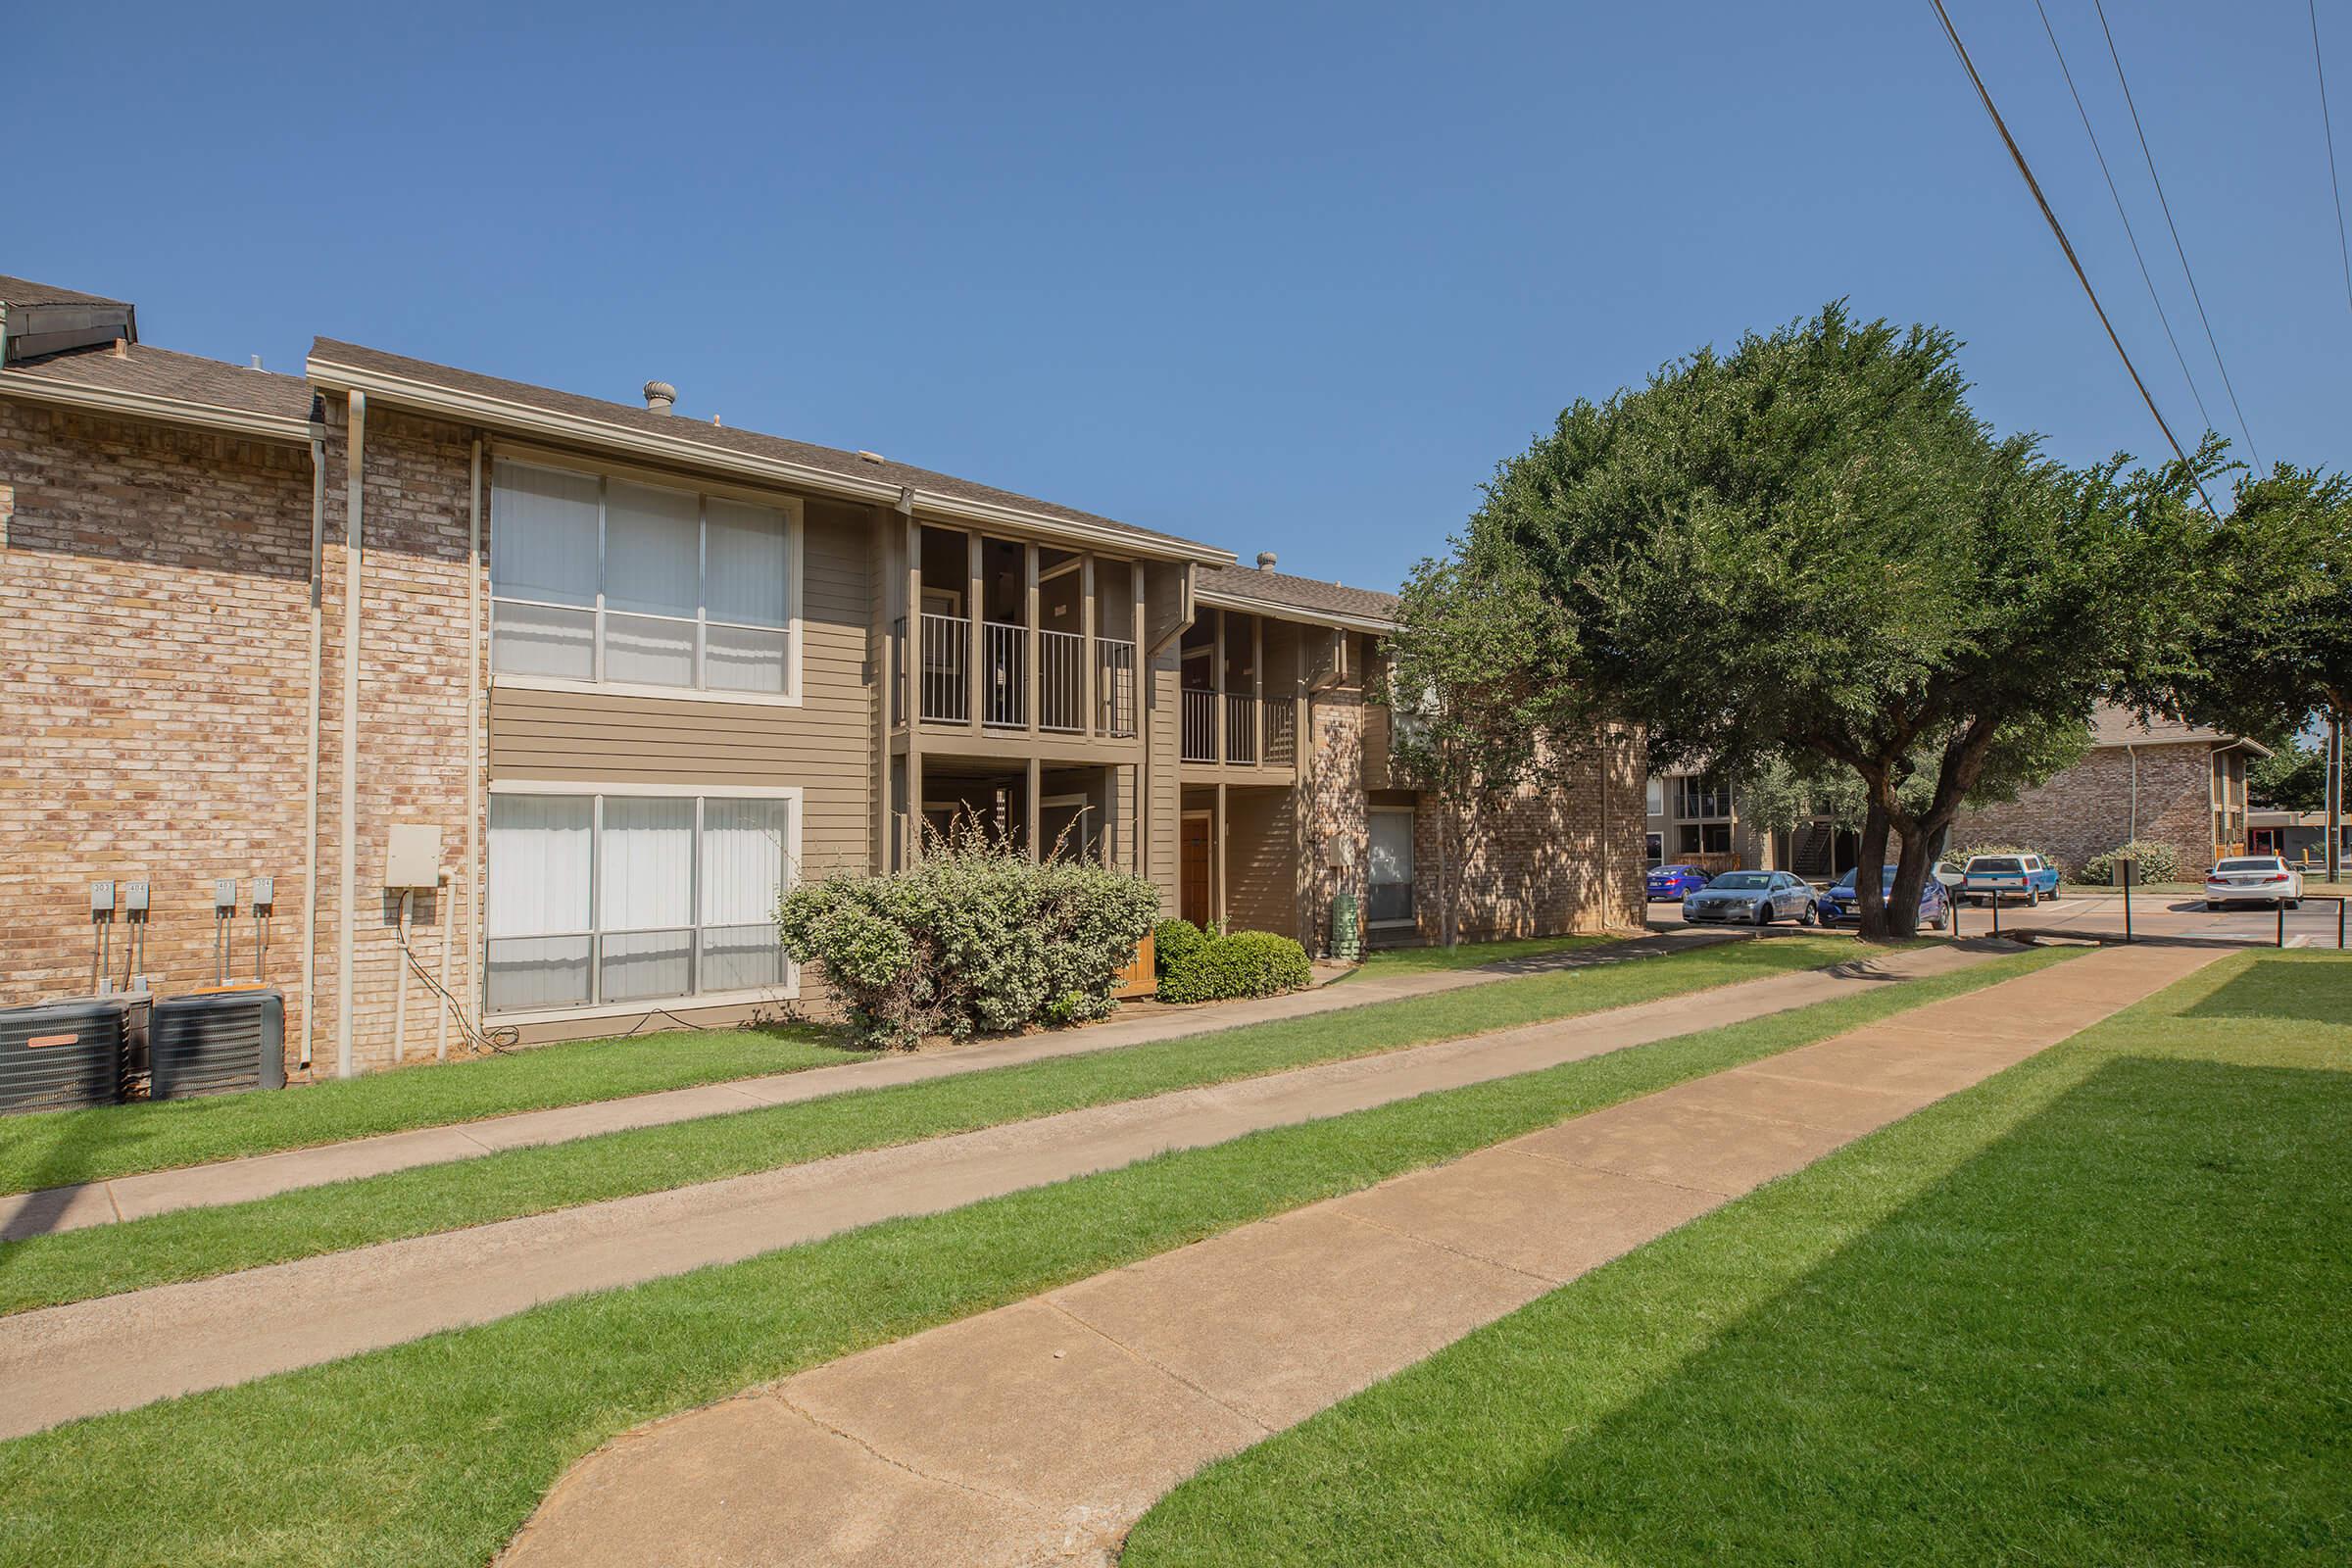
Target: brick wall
x,y
1335,803
2088,809
154,623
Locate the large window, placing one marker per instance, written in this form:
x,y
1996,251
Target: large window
x,y
1699,797
1389,895
618,898
608,580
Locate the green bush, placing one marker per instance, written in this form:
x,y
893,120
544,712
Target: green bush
x,y
1173,941
1958,859
2154,862
975,939
1242,963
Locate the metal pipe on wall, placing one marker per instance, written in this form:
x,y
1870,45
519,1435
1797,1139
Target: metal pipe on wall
x,y
310,790
474,760
355,450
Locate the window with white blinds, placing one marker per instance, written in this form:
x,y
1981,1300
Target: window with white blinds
x,y
611,582
617,899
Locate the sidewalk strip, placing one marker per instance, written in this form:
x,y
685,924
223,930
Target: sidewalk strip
x,y
237,1181
67,1361
1040,1432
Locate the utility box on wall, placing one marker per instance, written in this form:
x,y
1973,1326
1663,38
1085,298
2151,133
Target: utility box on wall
x,y
413,855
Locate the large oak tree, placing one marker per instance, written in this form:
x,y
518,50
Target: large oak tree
x,y
1810,549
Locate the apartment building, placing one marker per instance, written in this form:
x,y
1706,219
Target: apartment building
x,y
613,677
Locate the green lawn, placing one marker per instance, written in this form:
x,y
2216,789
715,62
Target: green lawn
x,y
2091,1312
431,1453
1473,955
197,1243
55,1148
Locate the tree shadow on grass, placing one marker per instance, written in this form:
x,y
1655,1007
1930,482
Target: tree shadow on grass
x,y
2115,1336
2282,988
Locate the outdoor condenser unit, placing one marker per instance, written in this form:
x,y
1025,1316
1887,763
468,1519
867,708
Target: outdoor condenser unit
x,y
56,1054
216,1041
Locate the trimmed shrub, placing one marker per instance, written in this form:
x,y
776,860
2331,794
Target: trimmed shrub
x,y
2155,863
976,939
1175,941
1958,859
1242,964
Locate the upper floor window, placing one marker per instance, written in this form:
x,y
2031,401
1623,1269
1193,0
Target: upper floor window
x,y
612,581
1701,797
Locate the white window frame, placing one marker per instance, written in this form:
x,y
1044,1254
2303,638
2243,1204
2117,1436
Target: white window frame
x,y
599,791
795,680
1411,815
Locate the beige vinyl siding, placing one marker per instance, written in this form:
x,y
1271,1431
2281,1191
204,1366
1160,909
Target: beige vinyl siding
x,y
1261,861
825,745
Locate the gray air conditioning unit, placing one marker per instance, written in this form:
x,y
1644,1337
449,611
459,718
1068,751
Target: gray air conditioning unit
x,y
216,1042
57,1054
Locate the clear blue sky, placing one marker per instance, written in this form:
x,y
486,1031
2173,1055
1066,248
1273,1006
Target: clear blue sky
x,y
1279,277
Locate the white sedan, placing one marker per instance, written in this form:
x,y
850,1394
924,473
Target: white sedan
x,y
2253,879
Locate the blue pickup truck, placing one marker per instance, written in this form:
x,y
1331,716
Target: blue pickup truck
x,y
2026,879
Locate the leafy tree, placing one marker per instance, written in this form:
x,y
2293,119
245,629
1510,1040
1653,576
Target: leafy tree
x,y
1467,717
2292,778
2278,648
1811,550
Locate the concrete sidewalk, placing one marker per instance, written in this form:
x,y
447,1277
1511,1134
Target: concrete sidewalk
x,y
61,1362
237,1181
1039,1432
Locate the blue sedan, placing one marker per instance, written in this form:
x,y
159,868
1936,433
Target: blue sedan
x,y
1840,903
1675,881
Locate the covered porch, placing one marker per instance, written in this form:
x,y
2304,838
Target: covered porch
x,y
1045,806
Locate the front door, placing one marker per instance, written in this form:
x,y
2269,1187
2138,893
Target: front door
x,y
1193,883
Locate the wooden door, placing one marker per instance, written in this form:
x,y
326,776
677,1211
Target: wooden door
x,y
1192,882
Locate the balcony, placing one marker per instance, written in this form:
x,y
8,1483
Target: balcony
x,y
944,687
1256,733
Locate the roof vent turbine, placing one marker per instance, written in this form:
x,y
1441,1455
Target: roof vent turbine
x,y
1265,561
660,396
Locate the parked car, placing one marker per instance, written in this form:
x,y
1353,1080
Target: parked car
x,y
2253,879
2028,877
1675,881
1756,896
1840,903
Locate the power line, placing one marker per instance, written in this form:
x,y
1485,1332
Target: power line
x,y
2178,247
1952,35
2326,124
2099,153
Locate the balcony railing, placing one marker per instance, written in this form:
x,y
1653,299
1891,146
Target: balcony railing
x,y
1004,677
940,675
1060,705
1241,728
1282,735
1200,741
1115,686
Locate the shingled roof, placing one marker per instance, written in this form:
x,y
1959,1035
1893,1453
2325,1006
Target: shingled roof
x,y
329,352
1308,595
2119,727
143,371
24,291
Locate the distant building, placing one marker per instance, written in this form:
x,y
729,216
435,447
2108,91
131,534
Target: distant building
x,y
2177,784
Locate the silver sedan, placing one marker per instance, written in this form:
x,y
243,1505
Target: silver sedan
x,y
1752,898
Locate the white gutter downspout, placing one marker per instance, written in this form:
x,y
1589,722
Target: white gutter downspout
x,y
310,842
474,737
354,457
2133,751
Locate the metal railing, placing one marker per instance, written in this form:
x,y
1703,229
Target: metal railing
x,y
1281,734
947,687
1241,728
1060,700
1200,740
1004,677
1115,687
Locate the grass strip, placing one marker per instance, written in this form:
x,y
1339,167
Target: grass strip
x,y
1473,955
2090,1312
434,1452
200,1242
57,1147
